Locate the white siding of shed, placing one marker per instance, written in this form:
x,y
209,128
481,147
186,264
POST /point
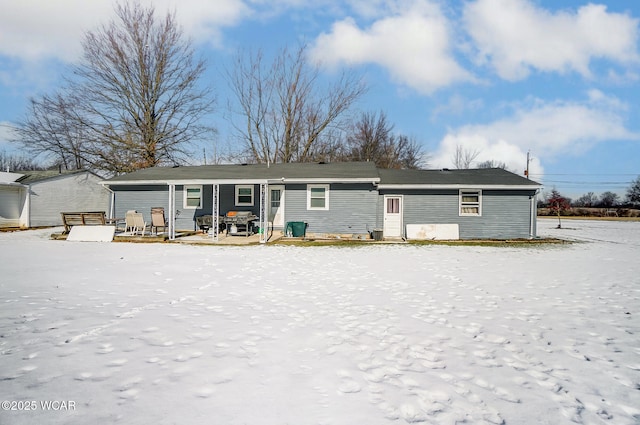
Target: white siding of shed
x,y
12,202
67,193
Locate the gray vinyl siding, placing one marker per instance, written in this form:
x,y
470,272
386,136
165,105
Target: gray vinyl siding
x,y
143,198
351,206
505,213
228,200
351,209
68,193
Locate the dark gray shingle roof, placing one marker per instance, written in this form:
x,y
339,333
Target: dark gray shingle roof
x,y
475,177
334,170
329,171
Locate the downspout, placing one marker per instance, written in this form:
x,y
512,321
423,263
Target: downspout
x,y
533,215
263,219
172,212
112,206
27,207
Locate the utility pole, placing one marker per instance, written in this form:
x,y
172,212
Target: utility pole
x,y
526,172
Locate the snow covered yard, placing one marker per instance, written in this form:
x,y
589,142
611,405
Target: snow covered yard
x,y
385,334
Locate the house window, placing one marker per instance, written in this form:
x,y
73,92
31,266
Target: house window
x,y
393,205
244,195
192,197
470,202
318,197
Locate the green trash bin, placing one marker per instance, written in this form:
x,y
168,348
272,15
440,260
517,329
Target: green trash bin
x,y
296,229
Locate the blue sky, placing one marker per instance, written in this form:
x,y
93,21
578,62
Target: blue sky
x,y
558,78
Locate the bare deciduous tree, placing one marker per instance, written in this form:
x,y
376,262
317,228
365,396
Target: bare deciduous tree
x,y
609,199
287,114
17,162
589,199
463,158
372,139
133,102
491,163
633,192
51,131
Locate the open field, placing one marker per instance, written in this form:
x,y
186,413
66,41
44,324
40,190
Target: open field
x,y
377,334
594,213
575,217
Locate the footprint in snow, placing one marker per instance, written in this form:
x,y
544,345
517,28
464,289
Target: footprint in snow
x,y
349,386
412,414
104,349
204,392
83,376
130,394
117,363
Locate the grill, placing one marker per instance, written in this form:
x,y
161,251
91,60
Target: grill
x,y
239,222
205,222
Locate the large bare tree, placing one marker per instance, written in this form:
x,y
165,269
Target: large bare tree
x,y
134,101
287,114
371,138
463,157
51,131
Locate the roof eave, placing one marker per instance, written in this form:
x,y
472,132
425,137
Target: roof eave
x,y
372,180
460,186
13,184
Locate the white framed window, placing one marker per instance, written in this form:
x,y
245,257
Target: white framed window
x,y
244,195
192,197
318,197
470,202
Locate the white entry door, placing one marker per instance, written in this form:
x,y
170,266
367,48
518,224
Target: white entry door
x,y
392,216
276,205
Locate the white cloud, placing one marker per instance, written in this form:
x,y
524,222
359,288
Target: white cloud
x,y
204,20
487,149
549,130
44,29
515,36
413,46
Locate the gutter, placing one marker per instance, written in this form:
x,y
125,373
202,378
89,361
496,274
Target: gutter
x,y
13,184
534,214
459,186
239,181
112,203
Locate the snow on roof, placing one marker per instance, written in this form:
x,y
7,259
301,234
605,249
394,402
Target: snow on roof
x,y
6,177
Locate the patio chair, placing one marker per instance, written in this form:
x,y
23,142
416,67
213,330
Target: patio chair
x,y
134,223
158,219
128,221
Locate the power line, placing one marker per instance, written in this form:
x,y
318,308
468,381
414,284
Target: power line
x,y
586,174
584,182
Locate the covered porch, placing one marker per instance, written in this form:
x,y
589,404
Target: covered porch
x,y
214,209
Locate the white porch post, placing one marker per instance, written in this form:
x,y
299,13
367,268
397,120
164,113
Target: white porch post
x,y
215,209
172,212
264,188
